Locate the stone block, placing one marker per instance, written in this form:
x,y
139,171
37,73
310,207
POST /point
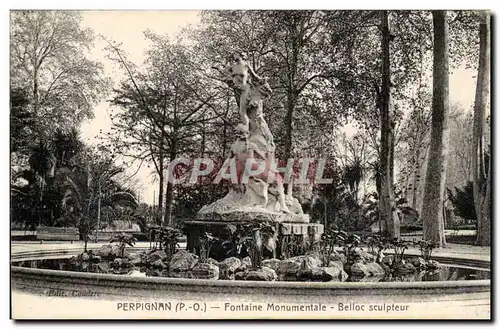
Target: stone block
x,y
272,263
230,264
156,255
205,271
375,269
359,269
183,261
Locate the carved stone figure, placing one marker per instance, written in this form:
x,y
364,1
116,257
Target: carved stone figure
x,y
263,195
238,72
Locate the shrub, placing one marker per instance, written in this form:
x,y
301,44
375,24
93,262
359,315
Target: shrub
x,y
376,245
169,238
426,248
463,202
205,243
327,245
248,240
348,243
123,240
399,246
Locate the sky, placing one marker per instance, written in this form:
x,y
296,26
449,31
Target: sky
x,y
127,27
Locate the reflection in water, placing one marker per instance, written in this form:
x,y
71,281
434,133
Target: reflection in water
x,y
445,273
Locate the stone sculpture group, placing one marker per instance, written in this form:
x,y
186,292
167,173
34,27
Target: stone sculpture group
x,y
259,198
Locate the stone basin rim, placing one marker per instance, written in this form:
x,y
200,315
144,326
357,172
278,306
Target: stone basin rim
x,y
113,279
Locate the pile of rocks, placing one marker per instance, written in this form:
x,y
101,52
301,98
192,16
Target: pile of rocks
x,y
111,251
187,265
85,262
410,265
182,265
421,264
310,267
365,265
233,268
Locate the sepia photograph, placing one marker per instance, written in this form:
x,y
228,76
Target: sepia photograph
x,y
250,164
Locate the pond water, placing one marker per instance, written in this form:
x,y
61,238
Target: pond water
x,y
445,273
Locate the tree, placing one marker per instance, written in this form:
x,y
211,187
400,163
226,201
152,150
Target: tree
x,y
42,165
294,50
387,136
48,160
92,188
66,145
435,180
354,157
463,202
296,34
21,120
459,170
363,61
48,61
481,182
164,111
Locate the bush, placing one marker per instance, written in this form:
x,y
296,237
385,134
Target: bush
x,y
426,248
463,201
123,240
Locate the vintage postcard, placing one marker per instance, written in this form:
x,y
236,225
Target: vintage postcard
x,y
250,164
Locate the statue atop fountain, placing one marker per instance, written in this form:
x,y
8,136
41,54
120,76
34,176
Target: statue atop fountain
x,y
259,197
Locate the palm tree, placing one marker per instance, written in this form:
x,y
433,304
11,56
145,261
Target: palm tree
x,y
88,190
66,145
38,176
42,160
352,176
47,159
371,207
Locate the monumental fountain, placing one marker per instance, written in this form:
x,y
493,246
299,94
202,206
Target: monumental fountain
x,y
253,198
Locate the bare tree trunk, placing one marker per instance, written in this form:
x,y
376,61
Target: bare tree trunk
x,y
416,180
435,179
161,188
289,127
98,213
169,196
35,91
480,183
386,211
203,138
224,127
484,233
292,93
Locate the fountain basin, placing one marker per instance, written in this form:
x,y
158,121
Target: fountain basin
x,y
436,299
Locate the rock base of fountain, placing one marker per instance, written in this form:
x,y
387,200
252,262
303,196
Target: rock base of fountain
x,y
246,209
250,215
288,228
249,208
